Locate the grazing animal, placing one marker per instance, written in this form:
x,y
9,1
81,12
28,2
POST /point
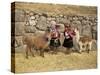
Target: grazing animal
x,y
39,42
84,42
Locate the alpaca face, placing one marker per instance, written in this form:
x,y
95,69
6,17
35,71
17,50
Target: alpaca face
x,y
47,36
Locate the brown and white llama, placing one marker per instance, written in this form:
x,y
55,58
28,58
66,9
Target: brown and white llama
x,y
84,42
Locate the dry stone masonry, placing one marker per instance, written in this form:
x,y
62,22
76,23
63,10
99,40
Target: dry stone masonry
x,y
31,22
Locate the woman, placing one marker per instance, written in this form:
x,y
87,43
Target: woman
x,y
55,38
68,41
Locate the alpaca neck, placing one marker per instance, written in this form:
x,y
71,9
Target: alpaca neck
x,y
77,35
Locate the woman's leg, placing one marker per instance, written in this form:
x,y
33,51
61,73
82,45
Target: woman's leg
x,y
68,50
55,50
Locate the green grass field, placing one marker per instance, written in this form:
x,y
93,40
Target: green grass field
x,y
54,62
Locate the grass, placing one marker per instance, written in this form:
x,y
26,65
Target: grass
x,y
54,62
57,8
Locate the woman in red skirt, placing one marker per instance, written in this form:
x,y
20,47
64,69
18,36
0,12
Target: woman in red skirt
x,y
68,41
55,38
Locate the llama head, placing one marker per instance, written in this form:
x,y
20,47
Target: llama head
x,y
47,34
76,29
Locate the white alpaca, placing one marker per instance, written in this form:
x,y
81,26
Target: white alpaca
x,y
76,39
77,36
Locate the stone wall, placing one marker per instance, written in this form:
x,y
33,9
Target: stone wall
x,y
31,22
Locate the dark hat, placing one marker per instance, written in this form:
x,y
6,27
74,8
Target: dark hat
x,y
66,25
57,26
